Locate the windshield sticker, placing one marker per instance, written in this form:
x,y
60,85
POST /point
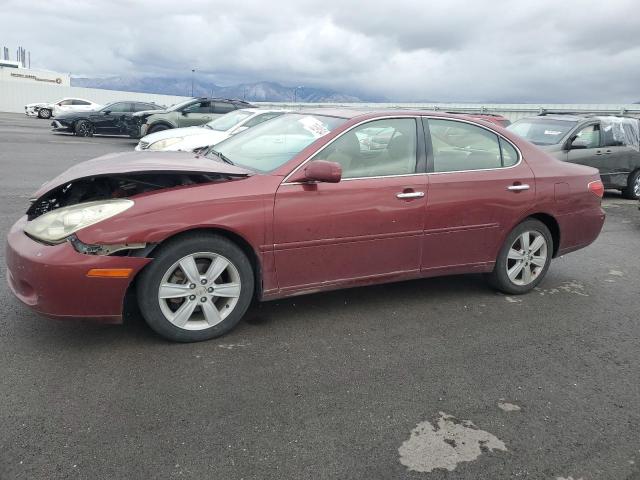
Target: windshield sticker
x,y
315,126
552,132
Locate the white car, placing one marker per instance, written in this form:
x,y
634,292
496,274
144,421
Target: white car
x,y
48,110
191,139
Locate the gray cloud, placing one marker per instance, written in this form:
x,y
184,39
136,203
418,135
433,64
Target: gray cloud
x,y
464,50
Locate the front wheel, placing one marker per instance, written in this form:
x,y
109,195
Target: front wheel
x,y
197,287
524,258
84,128
44,113
633,186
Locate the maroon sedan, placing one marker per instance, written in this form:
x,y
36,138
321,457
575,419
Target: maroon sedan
x,y
293,206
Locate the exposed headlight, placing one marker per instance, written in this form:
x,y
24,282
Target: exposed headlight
x,y
167,142
53,227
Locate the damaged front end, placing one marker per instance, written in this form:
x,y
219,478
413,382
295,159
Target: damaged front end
x,y
93,191
56,216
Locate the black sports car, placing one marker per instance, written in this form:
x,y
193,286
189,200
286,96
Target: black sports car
x,y
110,119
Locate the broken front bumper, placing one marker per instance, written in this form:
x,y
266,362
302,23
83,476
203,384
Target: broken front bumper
x,y
52,279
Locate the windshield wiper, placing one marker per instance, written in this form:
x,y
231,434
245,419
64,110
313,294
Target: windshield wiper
x,y
222,156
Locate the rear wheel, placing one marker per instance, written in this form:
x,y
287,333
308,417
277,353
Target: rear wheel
x,y
198,287
84,128
44,113
633,186
524,258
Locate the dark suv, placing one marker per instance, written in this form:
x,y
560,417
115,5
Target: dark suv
x,y
195,111
588,140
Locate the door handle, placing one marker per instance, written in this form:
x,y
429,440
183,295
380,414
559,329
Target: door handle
x,y
518,188
410,195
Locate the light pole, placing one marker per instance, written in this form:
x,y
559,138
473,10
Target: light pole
x,y
295,93
193,71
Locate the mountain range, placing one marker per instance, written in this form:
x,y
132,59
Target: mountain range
x,y
256,92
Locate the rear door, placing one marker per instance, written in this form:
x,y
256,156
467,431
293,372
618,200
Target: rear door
x,y
367,226
620,160
478,190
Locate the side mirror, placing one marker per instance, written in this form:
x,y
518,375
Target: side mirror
x,y
184,114
577,144
319,171
106,112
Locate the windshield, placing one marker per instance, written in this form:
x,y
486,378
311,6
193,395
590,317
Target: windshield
x,y
271,144
542,131
106,107
230,120
177,106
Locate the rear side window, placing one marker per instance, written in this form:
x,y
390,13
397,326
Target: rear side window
x,y
223,107
459,146
509,154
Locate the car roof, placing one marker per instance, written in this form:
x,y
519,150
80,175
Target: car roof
x,y
263,110
350,113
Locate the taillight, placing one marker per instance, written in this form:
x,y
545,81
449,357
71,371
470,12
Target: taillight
x,y
597,188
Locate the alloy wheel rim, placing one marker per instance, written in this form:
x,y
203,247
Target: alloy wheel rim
x,y
199,291
636,186
526,258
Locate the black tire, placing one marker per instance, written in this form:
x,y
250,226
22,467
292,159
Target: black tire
x,y
499,278
83,128
632,191
158,128
164,262
44,113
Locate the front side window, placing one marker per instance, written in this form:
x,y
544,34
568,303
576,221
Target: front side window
x,y
65,102
459,146
377,148
588,137
80,102
198,107
269,145
141,107
120,107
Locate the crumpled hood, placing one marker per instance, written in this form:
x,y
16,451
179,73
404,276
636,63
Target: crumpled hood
x,y
41,104
139,162
176,132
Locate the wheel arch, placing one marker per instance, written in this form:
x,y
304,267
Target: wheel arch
x,y
234,237
160,122
552,224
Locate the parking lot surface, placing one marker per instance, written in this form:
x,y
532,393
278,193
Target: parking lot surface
x,y
432,379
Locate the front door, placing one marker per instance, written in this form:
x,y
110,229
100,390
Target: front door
x,y
196,114
108,119
369,225
478,189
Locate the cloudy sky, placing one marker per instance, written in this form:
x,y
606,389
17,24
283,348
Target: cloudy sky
x,y
454,50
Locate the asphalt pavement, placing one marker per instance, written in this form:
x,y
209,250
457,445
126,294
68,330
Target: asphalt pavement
x,y
430,379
